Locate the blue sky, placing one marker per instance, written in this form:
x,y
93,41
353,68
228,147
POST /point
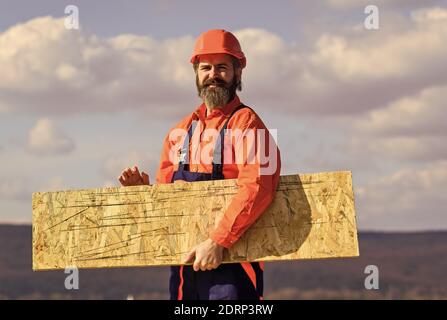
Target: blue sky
x,y
77,106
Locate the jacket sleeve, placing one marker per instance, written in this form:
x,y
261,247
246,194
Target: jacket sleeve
x,y
255,189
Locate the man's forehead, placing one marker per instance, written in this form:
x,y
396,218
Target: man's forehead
x,y
217,58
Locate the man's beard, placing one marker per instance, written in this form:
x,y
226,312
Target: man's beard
x,y
219,95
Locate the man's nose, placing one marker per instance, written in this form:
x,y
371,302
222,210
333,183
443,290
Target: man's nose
x,y
214,72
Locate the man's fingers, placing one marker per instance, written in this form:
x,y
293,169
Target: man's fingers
x,y
203,266
196,265
189,258
136,171
131,176
121,180
136,176
129,172
145,177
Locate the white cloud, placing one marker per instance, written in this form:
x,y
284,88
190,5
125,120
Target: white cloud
x,y
406,199
46,139
430,14
421,114
349,72
48,69
390,55
396,150
409,129
359,72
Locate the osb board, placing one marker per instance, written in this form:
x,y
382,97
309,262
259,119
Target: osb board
x,y
312,216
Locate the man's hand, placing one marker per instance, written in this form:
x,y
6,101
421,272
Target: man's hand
x,y
208,256
132,177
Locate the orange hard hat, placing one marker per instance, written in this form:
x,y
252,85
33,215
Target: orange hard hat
x,y
218,41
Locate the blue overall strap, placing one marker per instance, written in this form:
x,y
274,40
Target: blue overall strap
x,y
184,155
219,147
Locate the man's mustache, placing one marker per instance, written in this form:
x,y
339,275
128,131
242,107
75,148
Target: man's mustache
x,y
214,81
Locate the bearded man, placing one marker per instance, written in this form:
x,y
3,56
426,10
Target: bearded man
x,y
199,148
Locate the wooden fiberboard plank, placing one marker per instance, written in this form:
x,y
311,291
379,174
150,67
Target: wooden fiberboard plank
x,y
312,216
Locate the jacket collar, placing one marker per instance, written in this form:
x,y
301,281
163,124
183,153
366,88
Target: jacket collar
x,y
200,112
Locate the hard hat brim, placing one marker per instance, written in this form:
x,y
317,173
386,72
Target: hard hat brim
x,y
241,58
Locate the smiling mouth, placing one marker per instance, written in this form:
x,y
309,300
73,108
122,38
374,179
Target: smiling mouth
x,y
214,85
